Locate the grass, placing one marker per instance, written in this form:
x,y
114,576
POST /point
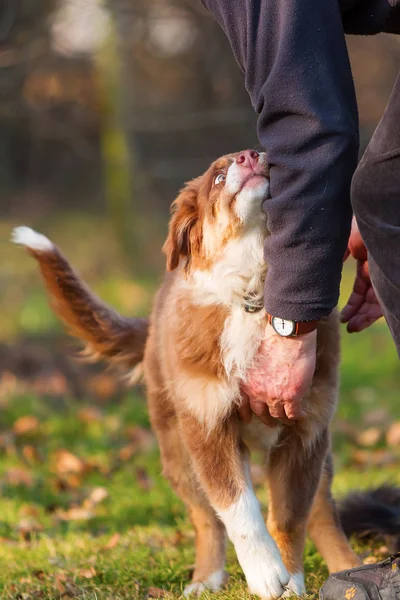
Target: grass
x,y
57,543
62,537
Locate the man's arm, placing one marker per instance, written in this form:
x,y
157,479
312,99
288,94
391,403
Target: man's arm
x,y
297,72
294,58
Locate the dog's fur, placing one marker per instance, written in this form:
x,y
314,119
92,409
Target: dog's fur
x,y
195,350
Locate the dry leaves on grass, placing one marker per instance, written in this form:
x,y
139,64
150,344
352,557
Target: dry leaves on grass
x,y
155,592
53,384
17,476
27,526
103,386
64,462
84,510
369,437
32,454
26,425
28,510
127,452
8,384
112,542
376,458
393,435
97,495
75,513
90,414
88,573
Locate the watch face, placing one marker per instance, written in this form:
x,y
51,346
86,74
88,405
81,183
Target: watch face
x,y
283,326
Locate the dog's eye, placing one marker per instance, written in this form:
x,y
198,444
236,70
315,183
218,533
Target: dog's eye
x,y
219,179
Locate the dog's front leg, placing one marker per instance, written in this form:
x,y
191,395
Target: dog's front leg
x,y
220,461
294,472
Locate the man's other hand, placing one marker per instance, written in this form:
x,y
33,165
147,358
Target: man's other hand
x,y
362,308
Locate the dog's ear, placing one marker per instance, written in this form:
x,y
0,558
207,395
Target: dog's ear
x,y
184,236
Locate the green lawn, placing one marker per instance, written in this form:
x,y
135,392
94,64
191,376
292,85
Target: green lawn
x,y
84,510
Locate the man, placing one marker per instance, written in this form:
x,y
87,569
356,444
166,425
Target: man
x,y
294,58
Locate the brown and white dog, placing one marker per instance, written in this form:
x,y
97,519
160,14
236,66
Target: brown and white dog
x,y
203,335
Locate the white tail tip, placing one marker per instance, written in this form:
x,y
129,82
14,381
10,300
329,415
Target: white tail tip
x,y
25,236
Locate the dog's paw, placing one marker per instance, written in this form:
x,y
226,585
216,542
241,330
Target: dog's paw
x,y
265,573
213,583
295,587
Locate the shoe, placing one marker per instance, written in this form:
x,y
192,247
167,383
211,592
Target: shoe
x,y
378,581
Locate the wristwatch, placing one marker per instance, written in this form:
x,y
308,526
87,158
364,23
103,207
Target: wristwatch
x,y
288,328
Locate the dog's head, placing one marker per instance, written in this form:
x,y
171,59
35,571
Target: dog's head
x,y
217,207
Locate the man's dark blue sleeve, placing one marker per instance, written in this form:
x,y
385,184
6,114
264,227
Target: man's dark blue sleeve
x,y
297,72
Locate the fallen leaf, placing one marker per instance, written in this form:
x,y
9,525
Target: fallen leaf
x,y
369,437
29,511
76,513
31,453
18,476
60,586
393,434
87,573
66,462
112,542
97,495
8,384
27,526
103,386
127,452
90,414
155,592
373,457
25,425
178,537
68,482
39,574
54,384
93,464
70,589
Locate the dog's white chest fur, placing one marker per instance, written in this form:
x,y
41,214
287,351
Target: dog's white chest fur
x,y
239,273
241,339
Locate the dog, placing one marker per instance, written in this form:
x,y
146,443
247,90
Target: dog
x,y
203,335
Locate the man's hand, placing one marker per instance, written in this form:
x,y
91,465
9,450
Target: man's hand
x,y
362,308
280,377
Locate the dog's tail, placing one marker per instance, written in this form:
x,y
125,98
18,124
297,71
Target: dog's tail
x,y
373,513
106,334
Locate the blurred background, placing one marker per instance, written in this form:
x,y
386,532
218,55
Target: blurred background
x,y
105,110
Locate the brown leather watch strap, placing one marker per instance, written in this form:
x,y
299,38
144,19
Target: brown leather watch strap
x,y
303,327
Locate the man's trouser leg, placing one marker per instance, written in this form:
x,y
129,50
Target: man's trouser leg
x,y
376,204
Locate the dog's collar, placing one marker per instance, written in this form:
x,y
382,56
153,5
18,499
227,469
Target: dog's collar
x,y
252,303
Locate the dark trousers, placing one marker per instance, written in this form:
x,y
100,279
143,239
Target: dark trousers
x,y
375,196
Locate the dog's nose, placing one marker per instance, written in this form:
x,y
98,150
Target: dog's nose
x,y
248,158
